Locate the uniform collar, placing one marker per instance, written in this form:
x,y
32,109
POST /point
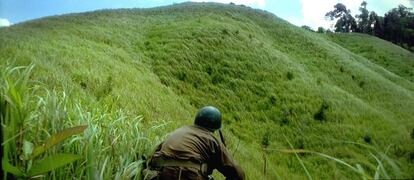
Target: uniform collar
x,y
202,128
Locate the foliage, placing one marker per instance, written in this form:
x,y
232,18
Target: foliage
x,y
18,153
344,21
412,134
307,28
26,122
388,56
399,26
321,30
364,20
396,26
377,170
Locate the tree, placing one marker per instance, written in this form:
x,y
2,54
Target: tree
x,y
377,24
345,22
399,26
321,30
364,24
396,26
307,28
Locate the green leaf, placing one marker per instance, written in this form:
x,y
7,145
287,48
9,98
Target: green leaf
x,y
7,167
380,168
300,160
52,162
56,138
361,170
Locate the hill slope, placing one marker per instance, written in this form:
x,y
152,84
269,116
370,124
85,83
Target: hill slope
x,y
393,58
275,83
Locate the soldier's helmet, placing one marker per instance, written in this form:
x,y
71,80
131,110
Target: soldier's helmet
x,y
208,117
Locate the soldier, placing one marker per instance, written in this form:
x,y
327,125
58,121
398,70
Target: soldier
x,y
192,152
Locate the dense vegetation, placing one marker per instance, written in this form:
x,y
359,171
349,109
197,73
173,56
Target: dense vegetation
x,y
379,52
397,25
295,104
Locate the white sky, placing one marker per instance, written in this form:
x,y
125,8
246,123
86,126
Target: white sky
x,y
4,22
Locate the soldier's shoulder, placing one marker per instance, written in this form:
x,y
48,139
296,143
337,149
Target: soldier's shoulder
x,y
200,130
206,134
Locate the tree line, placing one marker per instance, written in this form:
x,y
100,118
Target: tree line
x,y
397,25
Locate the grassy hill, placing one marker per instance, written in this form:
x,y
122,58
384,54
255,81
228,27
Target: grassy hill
x,y
390,57
133,75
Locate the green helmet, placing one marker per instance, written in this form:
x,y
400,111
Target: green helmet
x,y
208,117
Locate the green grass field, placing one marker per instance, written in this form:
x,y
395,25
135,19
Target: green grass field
x,y
344,102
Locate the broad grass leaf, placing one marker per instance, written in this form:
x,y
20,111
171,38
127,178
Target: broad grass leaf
x,y
52,162
7,167
56,138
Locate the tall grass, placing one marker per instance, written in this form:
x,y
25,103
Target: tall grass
x,y
111,146
378,52
14,111
375,170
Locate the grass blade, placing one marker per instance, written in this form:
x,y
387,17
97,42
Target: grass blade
x,y
101,176
380,168
361,171
295,151
300,160
54,139
7,167
396,169
52,162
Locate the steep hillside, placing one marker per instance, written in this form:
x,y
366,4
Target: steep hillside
x,y
389,56
278,87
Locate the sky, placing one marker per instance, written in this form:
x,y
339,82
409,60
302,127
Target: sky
x,y
297,12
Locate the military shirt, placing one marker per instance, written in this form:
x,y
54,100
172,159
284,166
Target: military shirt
x,y
197,144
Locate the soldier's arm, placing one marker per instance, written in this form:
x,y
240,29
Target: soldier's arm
x,y
227,166
157,149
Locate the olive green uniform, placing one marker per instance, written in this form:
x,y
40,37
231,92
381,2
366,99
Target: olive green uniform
x,y
197,145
